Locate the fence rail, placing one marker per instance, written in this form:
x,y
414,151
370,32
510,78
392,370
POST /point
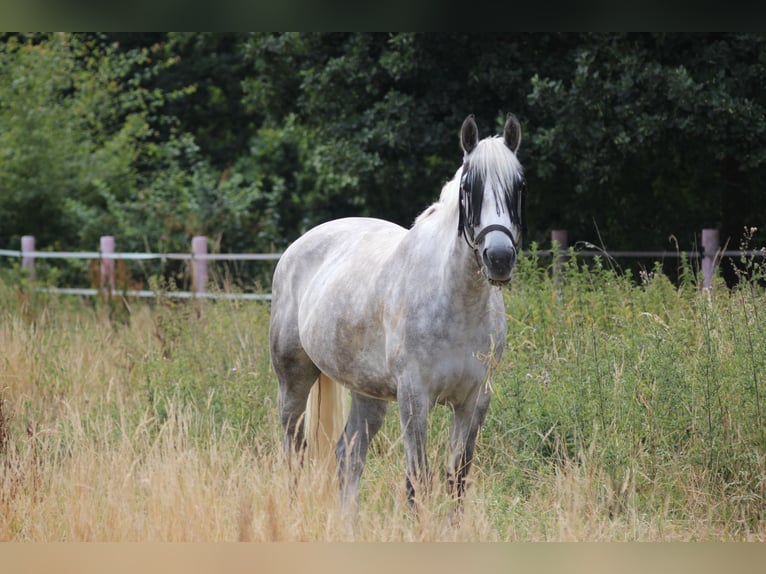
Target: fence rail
x,y
141,256
710,256
154,294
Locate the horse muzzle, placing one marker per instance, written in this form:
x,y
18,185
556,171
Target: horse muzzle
x,y
499,252
498,263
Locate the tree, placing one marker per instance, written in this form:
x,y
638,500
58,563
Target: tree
x,y
653,135
64,141
254,138
627,138
90,147
378,114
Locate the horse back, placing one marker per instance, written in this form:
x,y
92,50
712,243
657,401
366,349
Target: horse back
x,y
334,252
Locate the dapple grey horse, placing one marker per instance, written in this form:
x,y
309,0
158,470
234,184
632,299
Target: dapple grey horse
x,y
414,316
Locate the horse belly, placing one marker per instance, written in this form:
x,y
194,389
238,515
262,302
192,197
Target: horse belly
x,y
349,353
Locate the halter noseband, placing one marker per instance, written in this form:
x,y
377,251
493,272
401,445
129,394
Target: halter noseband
x,y
493,227
473,242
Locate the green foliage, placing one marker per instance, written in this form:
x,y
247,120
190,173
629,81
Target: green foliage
x,y
618,128
91,148
646,127
53,104
209,358
75,126
633,376
254,138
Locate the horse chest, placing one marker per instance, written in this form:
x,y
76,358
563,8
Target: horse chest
x,y
453,380
447,367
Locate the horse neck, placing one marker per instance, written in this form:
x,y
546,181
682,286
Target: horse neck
x,y
444,282
462,275
450,267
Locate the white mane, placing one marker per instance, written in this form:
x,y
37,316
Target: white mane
x,y
493,158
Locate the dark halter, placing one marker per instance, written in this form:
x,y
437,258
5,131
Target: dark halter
x,y
494,227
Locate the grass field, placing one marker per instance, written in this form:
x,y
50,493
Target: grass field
x,y
622,410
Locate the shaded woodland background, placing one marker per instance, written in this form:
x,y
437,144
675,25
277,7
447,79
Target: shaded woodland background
x,y
630,141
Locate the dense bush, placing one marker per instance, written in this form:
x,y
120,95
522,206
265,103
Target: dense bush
x,y
644,379
629,139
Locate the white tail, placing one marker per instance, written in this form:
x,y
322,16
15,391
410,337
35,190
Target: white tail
x,y
324,419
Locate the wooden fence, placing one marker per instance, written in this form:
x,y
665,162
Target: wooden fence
x,y
107,256
710,256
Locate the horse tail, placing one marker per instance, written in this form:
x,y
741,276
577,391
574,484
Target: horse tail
x,y
324,419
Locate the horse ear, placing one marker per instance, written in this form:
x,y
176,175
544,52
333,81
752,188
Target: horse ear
x,y
512,132
469,134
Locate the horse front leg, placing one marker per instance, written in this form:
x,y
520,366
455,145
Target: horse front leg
x,y
413,417
466,422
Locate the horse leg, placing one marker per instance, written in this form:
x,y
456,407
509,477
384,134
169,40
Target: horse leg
x,y
364,421
466,421
413,417
296,375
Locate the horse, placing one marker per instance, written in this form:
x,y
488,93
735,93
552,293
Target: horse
x,y
413,315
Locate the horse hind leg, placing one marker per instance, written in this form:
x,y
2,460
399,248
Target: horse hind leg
x,y
364,421
296,375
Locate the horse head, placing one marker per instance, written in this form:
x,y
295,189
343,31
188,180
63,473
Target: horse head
x,y
492,191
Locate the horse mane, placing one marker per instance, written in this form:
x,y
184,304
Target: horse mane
x,y
444,211
494,161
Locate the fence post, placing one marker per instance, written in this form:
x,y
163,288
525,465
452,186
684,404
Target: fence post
x,y
199,265
559,246
28,261
710,247
107,265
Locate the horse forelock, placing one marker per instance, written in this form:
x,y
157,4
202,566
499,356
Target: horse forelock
x,y
492,168
490,162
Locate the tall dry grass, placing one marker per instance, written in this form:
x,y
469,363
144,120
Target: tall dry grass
x,y
622,412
